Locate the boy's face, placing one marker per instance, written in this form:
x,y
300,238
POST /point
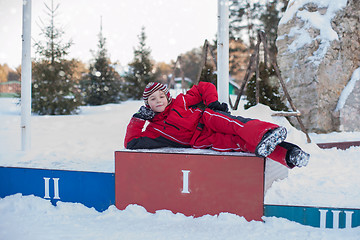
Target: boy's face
x,y
158,101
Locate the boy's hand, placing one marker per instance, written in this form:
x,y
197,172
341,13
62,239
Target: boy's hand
x,y
145,113
219,106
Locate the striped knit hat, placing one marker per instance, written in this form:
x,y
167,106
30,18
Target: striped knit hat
x,y
153,87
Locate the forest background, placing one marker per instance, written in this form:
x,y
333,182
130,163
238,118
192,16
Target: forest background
x,y
60,85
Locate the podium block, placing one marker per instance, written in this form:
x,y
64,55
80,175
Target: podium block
x,y
192,184
93,189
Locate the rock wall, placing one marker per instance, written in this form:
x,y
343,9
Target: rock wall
x,y
348,108
318,51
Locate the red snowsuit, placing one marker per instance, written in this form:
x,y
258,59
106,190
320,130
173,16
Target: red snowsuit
x,y
181,125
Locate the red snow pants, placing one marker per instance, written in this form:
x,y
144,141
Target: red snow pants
x,y
224,132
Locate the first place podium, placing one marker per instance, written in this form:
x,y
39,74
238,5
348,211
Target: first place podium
x,y
192,184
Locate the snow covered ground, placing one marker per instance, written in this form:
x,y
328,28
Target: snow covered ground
x,y
87,142
35,218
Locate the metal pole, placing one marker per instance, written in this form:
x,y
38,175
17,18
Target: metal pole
x,y
26,77
223,51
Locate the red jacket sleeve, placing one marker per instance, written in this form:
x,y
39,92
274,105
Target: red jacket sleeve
x,y
134,130
203,92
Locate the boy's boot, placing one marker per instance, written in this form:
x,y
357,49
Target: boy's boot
x,y
269,141
297,157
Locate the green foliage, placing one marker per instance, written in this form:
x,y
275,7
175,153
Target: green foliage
x,y
190,63
243,20
268,90
102,84
208,75
248,17
140,71
270,18
53,91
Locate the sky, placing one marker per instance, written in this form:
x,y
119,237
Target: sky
x,y
172,27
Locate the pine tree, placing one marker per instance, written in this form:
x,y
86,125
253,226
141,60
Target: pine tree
x,y
208,74
270,18
244,15
102,85
53,91
268,92
190,63
247,17
140,70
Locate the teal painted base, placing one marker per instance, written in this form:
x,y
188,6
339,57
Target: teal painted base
x,y
321,217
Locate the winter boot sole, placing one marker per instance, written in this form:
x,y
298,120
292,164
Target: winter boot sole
x,y
300,159
269,143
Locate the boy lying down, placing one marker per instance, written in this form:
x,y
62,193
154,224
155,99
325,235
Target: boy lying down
x,y
180,123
